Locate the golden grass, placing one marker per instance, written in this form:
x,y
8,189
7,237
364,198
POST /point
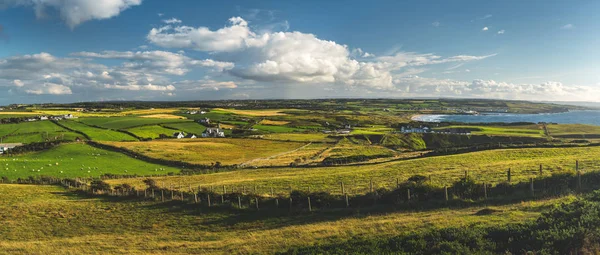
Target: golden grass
x,y
265,113
485,166
151,111
48,220
208,150
17,113
274,122
163,116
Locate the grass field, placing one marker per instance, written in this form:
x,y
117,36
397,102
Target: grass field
x,y
49,220
573,129
163,116
37,131
524,130
257,113
152,132
125,122
301,137
76,160
188,127
485,166
274,122
98,134
209,150
276,129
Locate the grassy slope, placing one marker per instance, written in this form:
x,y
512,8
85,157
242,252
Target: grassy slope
x,y
125,122
38,131
488,166
98,133
75,160
153,131
48,220
528,130
206,150
188,127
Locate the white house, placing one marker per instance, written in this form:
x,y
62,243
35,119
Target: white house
x,y
69,116
179,135
43,117
191,136
205,121
213,132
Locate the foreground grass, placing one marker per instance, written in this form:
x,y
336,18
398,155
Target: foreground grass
x,y
49,220
484,166
76,160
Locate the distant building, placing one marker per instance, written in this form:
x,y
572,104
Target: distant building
x,y
191,136
8,146
43,117
179,135
204,121
213,132
69,116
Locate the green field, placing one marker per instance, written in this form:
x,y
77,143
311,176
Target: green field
x,y
98,133
153,131
37,131
188,127
301,137
125,122
484,166
51,220
574,130
276,129
76,160
524,130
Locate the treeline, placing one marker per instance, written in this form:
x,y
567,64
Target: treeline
x,y
31,147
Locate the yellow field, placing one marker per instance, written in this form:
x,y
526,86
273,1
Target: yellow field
x,y
264,113
207,151
163,116
274,122
50,220
303,156
17,113
150,111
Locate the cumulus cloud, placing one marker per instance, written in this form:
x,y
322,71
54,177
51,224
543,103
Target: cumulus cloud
x,y
293,56
75,12
137,87
436,24
206,84
485,29
501,32
50,89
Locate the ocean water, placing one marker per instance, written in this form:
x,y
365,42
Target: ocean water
x,y
573,117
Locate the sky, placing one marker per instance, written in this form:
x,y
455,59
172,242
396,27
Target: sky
x,y
103,50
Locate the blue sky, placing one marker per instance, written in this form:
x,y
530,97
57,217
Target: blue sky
x,y
79,50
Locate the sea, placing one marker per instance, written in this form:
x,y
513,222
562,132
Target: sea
x,y
571,117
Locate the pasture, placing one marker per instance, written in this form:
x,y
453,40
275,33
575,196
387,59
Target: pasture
x,y
254,113
126,122
205,151
37,131
152,132
188,127
97,134
51,220
483,166
76,160
522,130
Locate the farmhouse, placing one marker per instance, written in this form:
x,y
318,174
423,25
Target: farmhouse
x,y
204,121
191,136
179,135
213,132
8,146
409,129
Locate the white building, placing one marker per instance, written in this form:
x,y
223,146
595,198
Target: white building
x,y
179,135
213,132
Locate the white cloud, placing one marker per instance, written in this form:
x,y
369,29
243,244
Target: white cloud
x,y
485,29
436,24
294,56
206,84
501,32
568,26
226,39
172,21
18,83
136,87
157,61
75,12
50,89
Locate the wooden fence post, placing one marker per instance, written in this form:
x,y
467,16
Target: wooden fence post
x,y
531,186
309,206
347,202
272,193
162,195
145,192
576,165
195,197
208,199
466,174
541,170
408,194
239,202
485,190
508,175
172,195
342,187
446,192
222,198
181,194
397,183
256,202
276,202
224,189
